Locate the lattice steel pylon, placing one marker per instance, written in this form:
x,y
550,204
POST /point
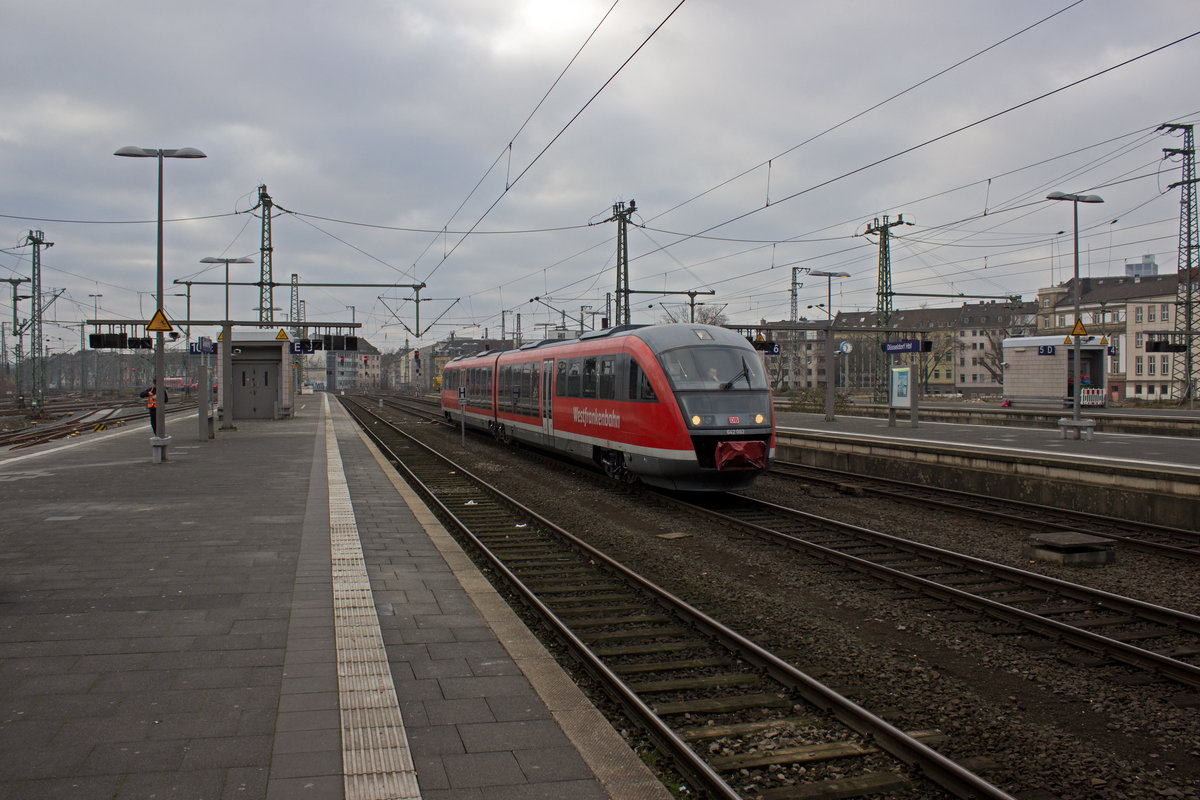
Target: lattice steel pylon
x,y
621,215
266,284
294,315
1187,313
883,299
37,355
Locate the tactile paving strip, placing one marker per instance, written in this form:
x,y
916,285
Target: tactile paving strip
x,y
376,762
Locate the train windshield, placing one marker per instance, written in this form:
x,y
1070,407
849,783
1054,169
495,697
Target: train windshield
x,y
712,367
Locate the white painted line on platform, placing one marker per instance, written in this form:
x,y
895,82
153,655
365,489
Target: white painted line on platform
x,y
376,762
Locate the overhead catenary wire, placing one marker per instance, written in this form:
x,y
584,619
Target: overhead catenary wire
x,y
555,138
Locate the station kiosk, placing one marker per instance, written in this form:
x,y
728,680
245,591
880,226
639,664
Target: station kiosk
x,y
1040,370
260,379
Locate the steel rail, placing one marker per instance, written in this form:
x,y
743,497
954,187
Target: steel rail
x,y
939,769
1179,671
960,501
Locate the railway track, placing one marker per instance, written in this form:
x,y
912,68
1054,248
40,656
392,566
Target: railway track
x,y
1159,539
736,720
1115,629
83,417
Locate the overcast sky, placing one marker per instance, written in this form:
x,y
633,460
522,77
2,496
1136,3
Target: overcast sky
x,y
755,137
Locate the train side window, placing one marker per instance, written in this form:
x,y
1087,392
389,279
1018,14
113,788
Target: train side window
x,y
639,384
608,378
588,387
560,379
507,387
574,378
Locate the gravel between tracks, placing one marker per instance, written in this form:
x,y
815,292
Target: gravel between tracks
x,y
1049,729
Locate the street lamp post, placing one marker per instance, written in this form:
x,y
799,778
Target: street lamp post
x,y
1075,200
227,347
830,357
159,444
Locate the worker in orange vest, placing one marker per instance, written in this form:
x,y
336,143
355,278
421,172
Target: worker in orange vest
x,y
152,405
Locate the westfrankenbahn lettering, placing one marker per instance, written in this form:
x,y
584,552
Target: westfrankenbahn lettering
x,y
607,419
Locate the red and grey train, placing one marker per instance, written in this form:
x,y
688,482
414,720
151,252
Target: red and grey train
x,y
676,406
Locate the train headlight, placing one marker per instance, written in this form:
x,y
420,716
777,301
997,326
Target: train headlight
x,y
758,418
696,419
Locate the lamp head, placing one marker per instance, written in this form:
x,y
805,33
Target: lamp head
x,y
1077,198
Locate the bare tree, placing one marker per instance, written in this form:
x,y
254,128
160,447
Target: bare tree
x,y
705,314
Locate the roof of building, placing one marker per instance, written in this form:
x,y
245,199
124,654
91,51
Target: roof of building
x,y
1115,289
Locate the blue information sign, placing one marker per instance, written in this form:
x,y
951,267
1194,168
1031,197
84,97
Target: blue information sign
x,y
906,346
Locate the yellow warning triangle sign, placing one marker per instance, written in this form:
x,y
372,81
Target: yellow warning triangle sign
x,y
220,335
1078,329
159,324
1104,340
1067,340
282,335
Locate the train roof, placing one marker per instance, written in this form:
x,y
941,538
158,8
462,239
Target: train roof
x,y
658,337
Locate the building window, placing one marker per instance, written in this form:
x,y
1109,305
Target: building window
x,y
1045,302
1150,313
1163,389
1137,339
1062,320
1166,365
1165,316
1150,365
1137,365
1137,313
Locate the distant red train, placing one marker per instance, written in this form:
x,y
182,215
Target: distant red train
x,y
179,384
677,406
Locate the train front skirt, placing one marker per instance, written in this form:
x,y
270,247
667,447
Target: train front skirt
x,y
741,455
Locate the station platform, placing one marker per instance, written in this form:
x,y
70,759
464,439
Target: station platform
x,y
1137,451
269,614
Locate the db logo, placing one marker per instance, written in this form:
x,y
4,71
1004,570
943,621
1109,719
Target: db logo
x,y
735,420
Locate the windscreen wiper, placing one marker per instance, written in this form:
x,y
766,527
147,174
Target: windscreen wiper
x,y
745,373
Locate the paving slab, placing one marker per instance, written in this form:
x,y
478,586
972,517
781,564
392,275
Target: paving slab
x,y
168,629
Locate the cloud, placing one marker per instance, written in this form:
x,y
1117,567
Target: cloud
x,y
401,114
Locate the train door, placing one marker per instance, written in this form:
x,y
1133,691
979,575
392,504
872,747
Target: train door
x,y
548,399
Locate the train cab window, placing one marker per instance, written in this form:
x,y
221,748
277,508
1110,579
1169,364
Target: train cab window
x,y
713,367
608,378
588,385
639,383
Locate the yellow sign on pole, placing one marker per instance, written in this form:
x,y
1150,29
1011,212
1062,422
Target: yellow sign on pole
x,y
1067,340
159,323
282,335
1078,329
